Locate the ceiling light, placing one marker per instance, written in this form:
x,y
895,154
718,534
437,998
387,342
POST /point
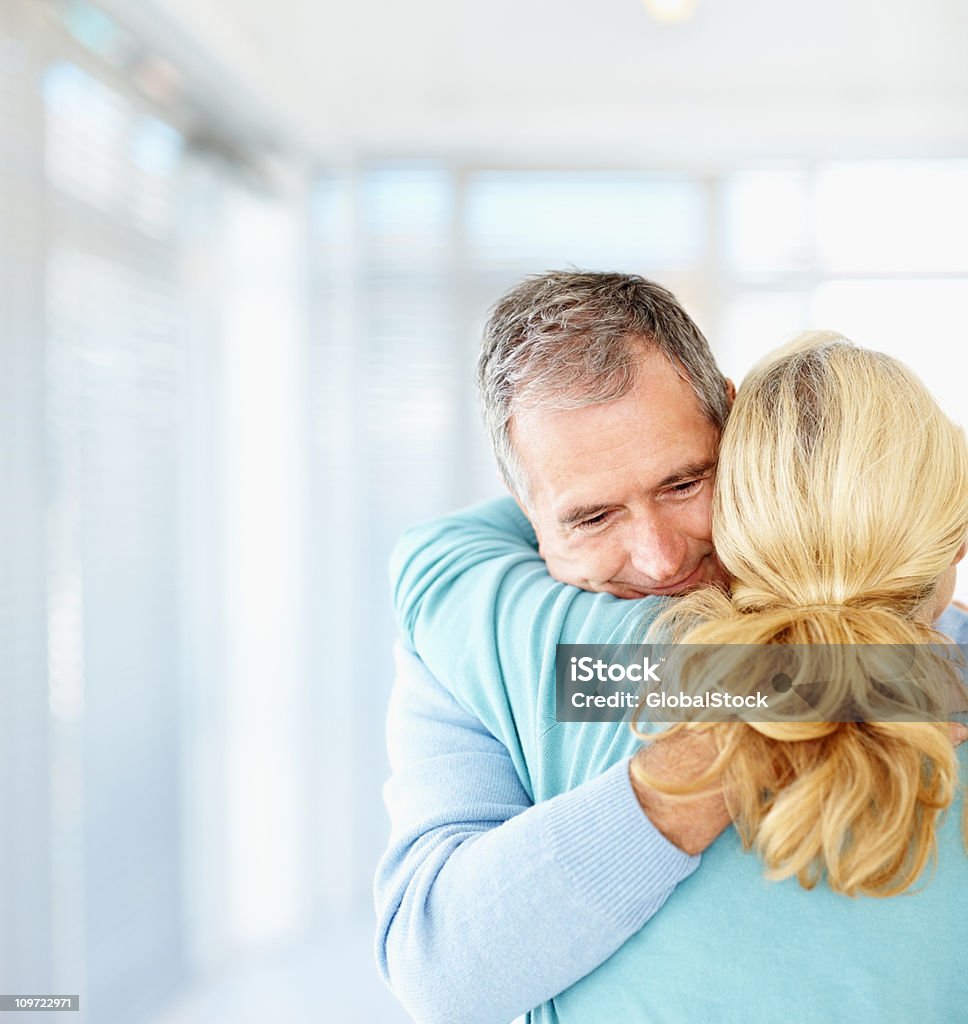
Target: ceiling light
x,y
671,10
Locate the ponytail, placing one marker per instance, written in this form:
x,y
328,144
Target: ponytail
x,y
855,802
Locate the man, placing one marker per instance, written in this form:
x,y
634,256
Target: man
x,y
604,407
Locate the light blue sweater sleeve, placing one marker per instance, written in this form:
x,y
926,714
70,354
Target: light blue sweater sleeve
x,y
488,903
474,599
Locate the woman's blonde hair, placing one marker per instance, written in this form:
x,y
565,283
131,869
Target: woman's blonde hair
x,y
842,497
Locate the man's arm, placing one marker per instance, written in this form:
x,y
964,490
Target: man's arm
x,y
488,905
473,592
476,602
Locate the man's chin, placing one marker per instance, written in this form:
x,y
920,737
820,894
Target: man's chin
x,y
628,593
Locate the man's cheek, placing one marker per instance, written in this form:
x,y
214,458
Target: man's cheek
x,y
702,519
552,557
565,566
696,528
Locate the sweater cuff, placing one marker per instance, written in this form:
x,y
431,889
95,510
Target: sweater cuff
x,y
618,860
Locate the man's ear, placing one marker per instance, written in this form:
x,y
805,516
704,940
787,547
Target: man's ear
x,y
518,502
533,522
730,393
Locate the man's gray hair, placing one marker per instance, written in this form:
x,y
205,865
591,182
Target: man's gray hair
x,y
568,339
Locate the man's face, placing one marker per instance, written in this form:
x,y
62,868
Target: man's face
x,y
621,493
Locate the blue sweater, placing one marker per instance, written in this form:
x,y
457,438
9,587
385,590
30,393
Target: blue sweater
x,y
567,881
465,832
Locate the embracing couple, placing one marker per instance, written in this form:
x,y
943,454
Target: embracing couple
x,y
553,868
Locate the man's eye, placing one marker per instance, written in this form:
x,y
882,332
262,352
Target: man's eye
x,y
687,488
599,520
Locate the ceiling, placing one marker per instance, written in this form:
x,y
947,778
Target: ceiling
x,y
577,81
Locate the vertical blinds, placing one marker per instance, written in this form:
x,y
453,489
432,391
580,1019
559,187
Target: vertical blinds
x,y
114,375
90,398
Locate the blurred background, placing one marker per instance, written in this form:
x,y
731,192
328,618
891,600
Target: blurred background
x,y
245,253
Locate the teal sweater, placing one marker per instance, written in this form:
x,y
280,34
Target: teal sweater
x,y
728,945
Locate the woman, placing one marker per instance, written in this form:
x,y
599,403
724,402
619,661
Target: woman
x,y
823,441
842,506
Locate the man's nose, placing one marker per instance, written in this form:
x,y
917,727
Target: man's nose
x,y
659,553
